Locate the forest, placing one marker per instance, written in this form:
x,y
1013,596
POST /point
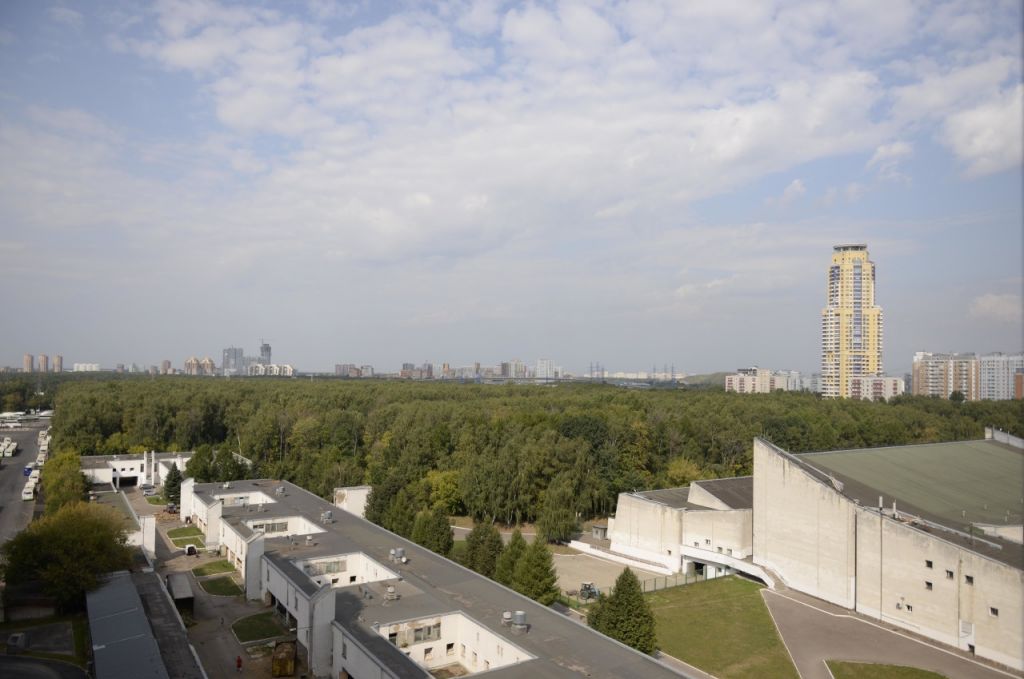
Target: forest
x,y
507,452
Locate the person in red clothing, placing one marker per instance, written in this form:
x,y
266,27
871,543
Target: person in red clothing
x,y
238,663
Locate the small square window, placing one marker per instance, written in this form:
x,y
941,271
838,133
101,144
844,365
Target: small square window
x,y
351,578
449,649
707,541
696,544
969,579
928,563
927,585
910,609
949,575
428,653
994,612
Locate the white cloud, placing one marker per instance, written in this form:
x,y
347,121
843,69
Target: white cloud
x,y
792,193
1001,308
989,137
887,158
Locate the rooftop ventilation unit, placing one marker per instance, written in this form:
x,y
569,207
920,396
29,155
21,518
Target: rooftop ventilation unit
x,y
390,594
279,490
397,555
506,618
227,484
309,540
519,623
327,516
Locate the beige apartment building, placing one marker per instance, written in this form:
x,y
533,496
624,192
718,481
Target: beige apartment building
x,y
851,322
942,374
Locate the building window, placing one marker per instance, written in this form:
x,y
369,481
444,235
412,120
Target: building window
x,y
949,575
428,653
969,579
707,541
393,637
351,578
449,649
696,544
927,585
344,649
910,609
928,563
994,612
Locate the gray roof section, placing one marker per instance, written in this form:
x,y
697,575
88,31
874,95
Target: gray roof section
x,y
670,497
737,492
102,461
432,585
122,641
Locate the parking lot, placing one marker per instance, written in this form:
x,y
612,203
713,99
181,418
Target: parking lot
x,y
16,513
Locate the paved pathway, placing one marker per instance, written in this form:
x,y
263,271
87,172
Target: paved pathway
x,y
814,631
38,668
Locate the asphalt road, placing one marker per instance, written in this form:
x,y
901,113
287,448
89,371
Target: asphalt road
x,y
16,513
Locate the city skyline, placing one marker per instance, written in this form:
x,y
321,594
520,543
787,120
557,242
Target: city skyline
x,y
626,183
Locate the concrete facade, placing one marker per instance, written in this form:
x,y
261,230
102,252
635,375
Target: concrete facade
x,y
887,563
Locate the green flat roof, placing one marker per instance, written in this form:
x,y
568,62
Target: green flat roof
x,y
985,478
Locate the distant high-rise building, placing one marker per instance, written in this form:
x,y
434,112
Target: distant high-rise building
x,y
265,354
851,322
28,363
192,366
165,367
942,374
545,369
58,364
207,366
233,361
996,374
44,363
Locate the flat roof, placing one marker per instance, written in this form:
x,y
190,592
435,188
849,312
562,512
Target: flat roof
x,y
670,497
737,492
122,640
117,501
562,647
985,479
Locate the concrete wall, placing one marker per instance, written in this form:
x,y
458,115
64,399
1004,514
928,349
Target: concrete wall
x,y
352,499
728,532
802,528
647,529
352,658
895,564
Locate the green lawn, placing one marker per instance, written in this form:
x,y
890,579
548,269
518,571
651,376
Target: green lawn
x,y
194,540
156,499
222,586
721,626
856,670
259,626
214,568
183,532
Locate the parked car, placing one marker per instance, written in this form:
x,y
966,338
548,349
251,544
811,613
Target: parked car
x,y
172,508
17,643
191,550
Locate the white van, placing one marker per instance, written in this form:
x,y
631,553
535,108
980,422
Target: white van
x,y
29,491
34,476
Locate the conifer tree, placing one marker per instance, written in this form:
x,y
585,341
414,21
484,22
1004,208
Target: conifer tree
x,y
505,568
483,547
535,574
625,615
431,530
172,484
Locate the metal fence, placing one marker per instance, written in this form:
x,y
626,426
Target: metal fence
x,y
572,598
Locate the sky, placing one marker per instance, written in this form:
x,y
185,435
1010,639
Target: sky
x,y
631,183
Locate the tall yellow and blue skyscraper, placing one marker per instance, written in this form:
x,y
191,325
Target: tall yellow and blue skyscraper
x,y
851,322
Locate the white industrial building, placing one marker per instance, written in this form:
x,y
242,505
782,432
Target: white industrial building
x,y
132,469
927,537
365,602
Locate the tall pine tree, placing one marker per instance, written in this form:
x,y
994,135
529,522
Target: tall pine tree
x,y
505,568
483,547
172,484
535,574
625,615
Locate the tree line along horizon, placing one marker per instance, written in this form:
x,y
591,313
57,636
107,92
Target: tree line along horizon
x,y
513,453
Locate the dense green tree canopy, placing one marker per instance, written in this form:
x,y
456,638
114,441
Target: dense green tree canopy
x,y
505,567
486,450
483,547
68,551
63,481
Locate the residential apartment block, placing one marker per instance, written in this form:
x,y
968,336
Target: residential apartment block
x,y
851,322
763,381
996,374
942,374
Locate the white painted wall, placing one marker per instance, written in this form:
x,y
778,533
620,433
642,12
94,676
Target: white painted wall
x,y
352,499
